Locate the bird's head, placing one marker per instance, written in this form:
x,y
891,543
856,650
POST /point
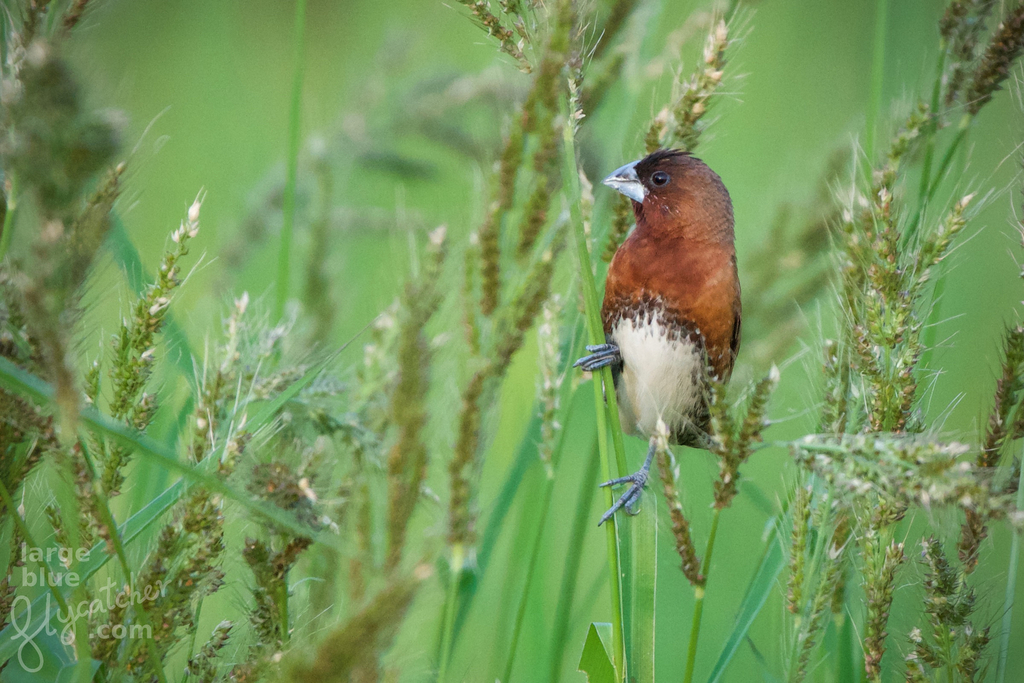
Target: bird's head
x,y
676,193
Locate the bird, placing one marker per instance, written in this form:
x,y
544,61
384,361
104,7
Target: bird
x,y
671,310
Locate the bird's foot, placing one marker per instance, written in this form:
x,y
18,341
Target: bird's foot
x,y
631,498
637,481
601,355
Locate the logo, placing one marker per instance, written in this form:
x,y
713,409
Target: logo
x,y
30,655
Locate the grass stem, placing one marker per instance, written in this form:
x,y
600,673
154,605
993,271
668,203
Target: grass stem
x,y
288,202
282,607
947,159
1011,590
12,205
606,408
877,77
192,636
934,316
933,126
450,609
698,604
938,289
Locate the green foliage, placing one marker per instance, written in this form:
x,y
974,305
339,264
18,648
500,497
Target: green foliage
x,y
421,506
761,585
595,661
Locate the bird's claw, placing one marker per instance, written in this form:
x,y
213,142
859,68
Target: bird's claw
x,y
601,355
631,498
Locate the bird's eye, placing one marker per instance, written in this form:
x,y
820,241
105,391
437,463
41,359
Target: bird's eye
x,y
660,178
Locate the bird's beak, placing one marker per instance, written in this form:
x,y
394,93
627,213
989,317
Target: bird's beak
x,y
626,181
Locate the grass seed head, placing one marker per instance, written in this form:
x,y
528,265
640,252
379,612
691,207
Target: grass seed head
x,y
994,66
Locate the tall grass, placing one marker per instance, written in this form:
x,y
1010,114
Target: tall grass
x,y
284,265
365,509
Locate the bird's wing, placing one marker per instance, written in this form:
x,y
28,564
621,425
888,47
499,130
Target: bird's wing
x,y
737,307
734,343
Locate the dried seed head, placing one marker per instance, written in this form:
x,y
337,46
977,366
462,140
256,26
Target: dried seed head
x,y
680,526
1003,49
680,123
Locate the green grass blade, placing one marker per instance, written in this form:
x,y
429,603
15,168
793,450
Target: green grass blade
x,y
846,670
760,587
573,555
538,537
594,661
74,672
766,669
643,589
753,493
266,414
526,457
531,570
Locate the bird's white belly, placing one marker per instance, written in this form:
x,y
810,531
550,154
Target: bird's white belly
x,y
661,375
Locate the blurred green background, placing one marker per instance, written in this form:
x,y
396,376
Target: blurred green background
x,y
206,87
